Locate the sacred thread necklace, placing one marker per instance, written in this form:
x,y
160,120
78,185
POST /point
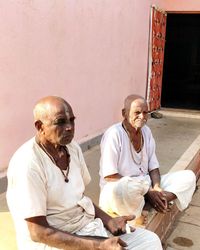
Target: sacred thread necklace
x,y
55,162
132,146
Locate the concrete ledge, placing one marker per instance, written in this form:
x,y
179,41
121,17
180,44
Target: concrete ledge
x,y
162,223
190,158
88,143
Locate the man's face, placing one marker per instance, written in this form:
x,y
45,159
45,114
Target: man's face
x,y
138,113
58,127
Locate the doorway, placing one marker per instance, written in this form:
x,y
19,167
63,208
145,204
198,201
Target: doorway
x,y
181,72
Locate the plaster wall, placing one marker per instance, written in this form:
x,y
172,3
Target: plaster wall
x,y
92,53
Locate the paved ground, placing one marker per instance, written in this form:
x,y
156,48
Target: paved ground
x,y
186,229
174,134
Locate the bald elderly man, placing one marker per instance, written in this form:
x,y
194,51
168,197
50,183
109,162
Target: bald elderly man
x,y
46,182
129,169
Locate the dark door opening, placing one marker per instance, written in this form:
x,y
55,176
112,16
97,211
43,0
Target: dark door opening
x,y
181,72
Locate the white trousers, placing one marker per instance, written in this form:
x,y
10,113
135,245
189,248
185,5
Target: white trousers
x,y
140,239
126,196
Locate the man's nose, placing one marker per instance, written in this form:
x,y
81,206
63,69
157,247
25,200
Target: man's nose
x,y
142,115
69,126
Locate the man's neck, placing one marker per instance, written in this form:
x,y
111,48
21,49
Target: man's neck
x,y
54,148
130,128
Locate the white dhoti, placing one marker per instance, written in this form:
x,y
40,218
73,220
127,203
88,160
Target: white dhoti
x,y
140,239
182,184
126,196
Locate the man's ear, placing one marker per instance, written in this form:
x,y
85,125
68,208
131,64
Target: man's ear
x,y
38,125
124,113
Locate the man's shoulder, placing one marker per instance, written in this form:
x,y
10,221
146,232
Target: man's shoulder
x,y
24,155
147,131
146,128
113,133
73,146
25,149
114,129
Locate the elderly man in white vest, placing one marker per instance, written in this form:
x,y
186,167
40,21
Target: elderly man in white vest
x,y
129,169
46,182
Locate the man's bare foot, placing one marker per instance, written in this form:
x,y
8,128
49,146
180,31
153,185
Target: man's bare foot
x,y
143,219
145,214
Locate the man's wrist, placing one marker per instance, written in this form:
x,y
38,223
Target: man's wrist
x,y
157,187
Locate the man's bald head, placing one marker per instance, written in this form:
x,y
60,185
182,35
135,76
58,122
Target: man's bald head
x,y
129,100
45,106
54,121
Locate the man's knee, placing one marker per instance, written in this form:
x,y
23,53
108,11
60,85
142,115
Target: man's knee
x,y
153,240
191,176
143,238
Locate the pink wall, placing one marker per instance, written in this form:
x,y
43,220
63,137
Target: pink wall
x,y
183,5
93,53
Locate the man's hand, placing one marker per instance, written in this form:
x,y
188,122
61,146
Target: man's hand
x,y
117,226
158,200
155,195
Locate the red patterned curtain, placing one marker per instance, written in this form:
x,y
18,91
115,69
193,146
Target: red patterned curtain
x,y
156,57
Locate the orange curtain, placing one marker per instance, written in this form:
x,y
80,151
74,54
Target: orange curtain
x,y
156,57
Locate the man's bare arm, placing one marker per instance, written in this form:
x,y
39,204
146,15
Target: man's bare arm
x,y
113,177
42,232
155,195
155,178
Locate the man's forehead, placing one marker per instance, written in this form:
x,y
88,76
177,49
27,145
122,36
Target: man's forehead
x,y
138,105
63,110
137,102
64,113
59,109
